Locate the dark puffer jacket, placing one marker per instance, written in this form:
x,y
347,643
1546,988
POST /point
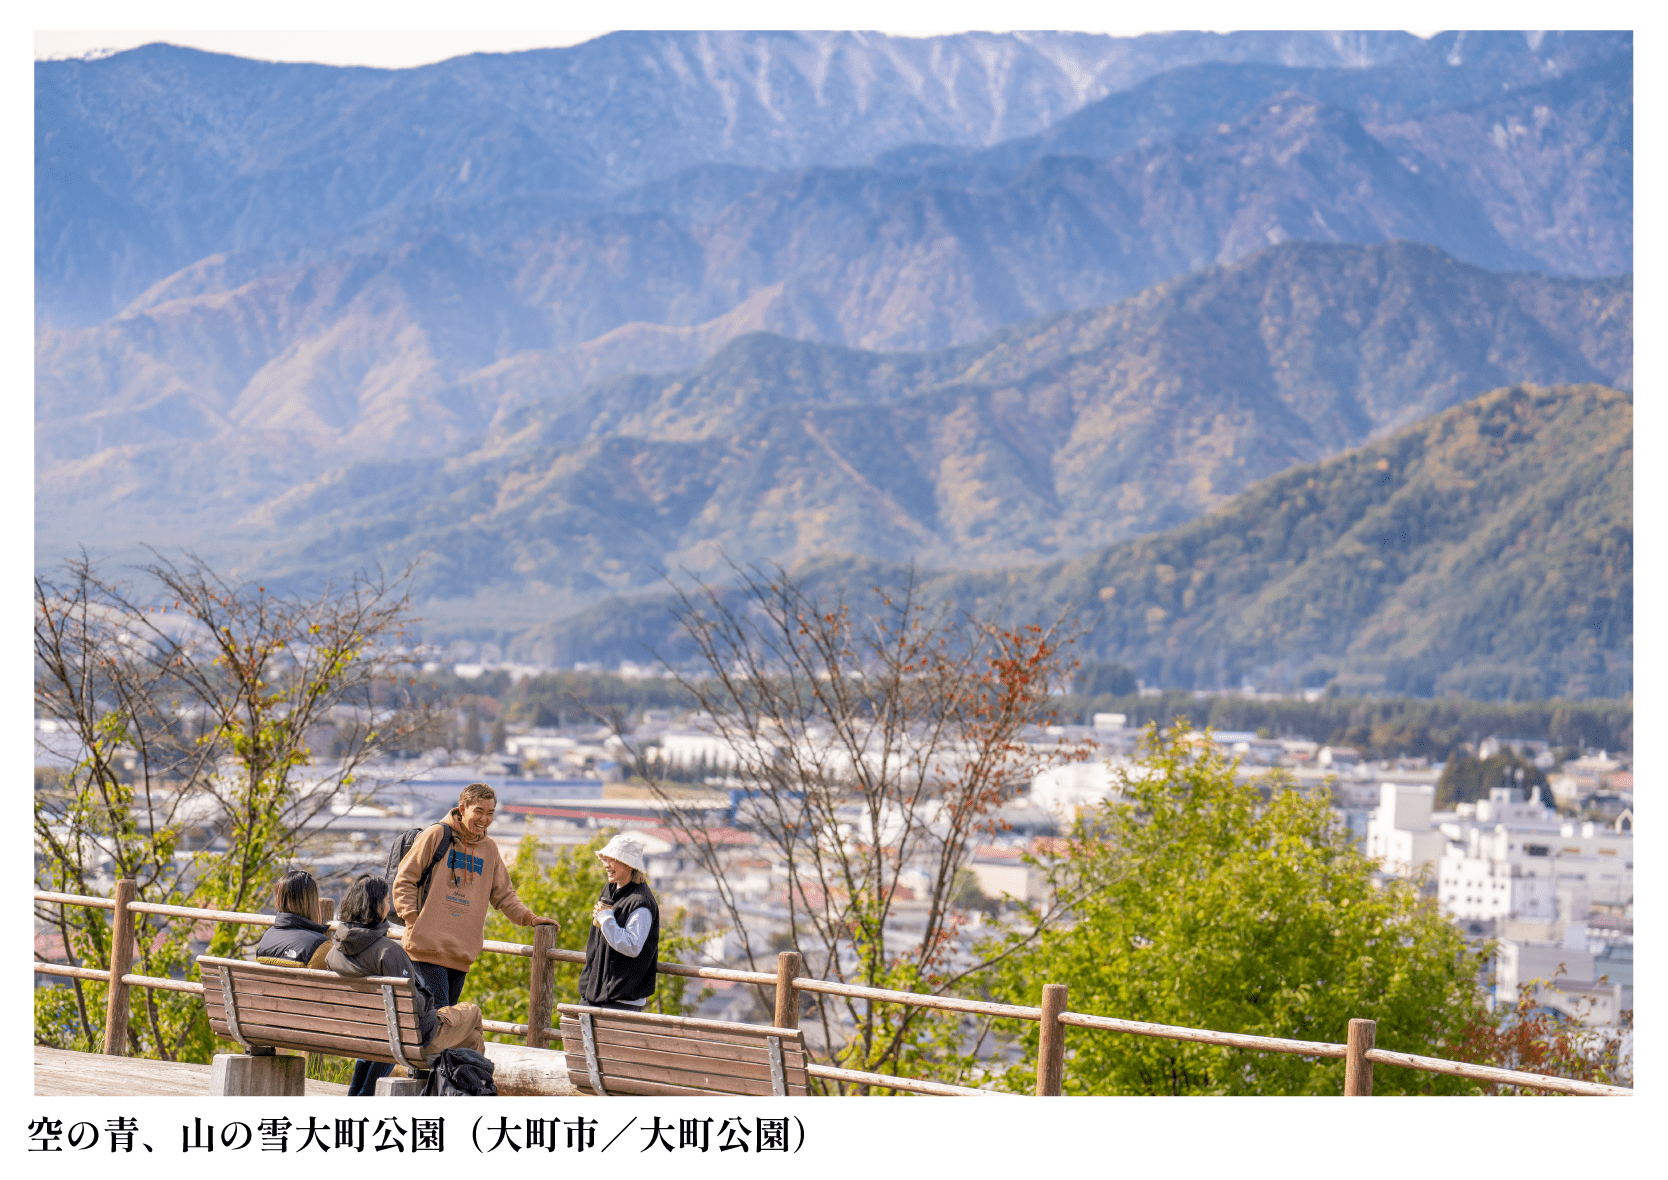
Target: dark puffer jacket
x,y
367,950
293,941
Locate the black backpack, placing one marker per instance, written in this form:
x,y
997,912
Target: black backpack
x,y
402,845
460,1073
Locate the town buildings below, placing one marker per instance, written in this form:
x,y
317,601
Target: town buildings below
x,y
1555,893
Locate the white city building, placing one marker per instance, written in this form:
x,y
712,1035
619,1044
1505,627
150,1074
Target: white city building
x,y
1503,857
1494,862
692,747
1564,976
1065,790
1507,858
1401,834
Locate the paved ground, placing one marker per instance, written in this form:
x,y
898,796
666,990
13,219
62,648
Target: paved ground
x,y
60,1073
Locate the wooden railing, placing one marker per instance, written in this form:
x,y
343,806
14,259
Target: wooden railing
x,y
1358,1052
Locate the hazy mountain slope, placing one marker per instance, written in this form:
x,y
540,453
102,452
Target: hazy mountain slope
x,y
1486,550
354,351
852,256
1551,166
939,267
151,159
1448,71
1047,439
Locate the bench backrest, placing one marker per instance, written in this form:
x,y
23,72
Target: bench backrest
x,y
370,1017
614,1052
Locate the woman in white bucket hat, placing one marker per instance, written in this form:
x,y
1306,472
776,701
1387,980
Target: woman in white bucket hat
x,y
623,948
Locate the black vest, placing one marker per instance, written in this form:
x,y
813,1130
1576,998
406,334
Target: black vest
x,y
609,975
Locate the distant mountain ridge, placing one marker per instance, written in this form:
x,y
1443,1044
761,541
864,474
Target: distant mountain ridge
x,y
566,319
428,339
151,160
1486,550
155,157
1046,439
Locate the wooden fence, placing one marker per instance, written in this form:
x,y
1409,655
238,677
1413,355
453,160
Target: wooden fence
x,y
1358,1052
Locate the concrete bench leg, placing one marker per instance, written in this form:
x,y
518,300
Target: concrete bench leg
x,y
401,1087
274,1075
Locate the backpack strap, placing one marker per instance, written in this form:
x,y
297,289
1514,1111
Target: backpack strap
x,y
440,851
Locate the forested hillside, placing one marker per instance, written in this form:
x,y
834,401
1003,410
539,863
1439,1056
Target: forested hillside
x,y
1046,440
1486,551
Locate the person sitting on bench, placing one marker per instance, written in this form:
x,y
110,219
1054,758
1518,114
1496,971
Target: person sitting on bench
x,y
360,946
297,938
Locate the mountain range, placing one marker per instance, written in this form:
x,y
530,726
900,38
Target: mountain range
x,y
1044,440
1486,550
566,320
151,159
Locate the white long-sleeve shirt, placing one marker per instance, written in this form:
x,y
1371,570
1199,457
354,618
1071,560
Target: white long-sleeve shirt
x,y
627,939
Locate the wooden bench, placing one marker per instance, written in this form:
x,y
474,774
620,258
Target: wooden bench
x,y
267,1008
610,1051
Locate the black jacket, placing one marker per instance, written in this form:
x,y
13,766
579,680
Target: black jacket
x,y
290,941
367,950
609,975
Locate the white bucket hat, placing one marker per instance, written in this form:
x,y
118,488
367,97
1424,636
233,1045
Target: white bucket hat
x,y
626,850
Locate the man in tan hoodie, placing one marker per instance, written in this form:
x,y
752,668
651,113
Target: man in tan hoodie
x,y
444,928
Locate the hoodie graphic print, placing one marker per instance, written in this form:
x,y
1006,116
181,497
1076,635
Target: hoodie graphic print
x,y
471,880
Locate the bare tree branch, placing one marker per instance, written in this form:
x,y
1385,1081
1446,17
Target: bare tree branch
x,y
871,745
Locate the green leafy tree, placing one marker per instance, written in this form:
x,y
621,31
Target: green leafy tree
x,y
1198,903
565,889
188,709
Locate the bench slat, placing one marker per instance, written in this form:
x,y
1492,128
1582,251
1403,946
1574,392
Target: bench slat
x,y
302,1025
250,969
305,1011
352,993
340,1046
582,1082
653,1025
715,1028
625,1061
695,1076
729,1050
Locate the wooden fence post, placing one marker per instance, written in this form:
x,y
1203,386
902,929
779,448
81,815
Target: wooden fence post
x,y
1051,1046
1358,1071
121,963
789,966
327,910
541,999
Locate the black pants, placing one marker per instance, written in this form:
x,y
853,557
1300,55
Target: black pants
x,y
445,984
617,1005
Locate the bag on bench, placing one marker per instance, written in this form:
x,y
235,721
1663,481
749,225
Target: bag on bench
x,y
460,1073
